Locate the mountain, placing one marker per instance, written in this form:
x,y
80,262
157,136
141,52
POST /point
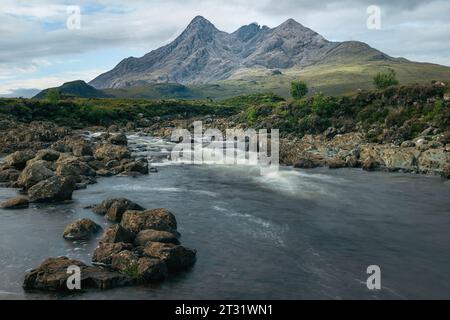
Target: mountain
x,y
76,88
204,54
255,59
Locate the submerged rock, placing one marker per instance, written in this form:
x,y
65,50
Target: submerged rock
x,y
82,229
52,275
156,219
19,202
53,189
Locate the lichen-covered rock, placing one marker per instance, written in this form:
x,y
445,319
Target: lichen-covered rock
x,y
156,219
139,166
370,164
82,229
9,175
116,234
47,155
53,189
111,152
307,163
433,160
146,236
19,202
34,173
52,275
18,159
336,163
142,269
71,166
176,257
104,252
119,139
113,209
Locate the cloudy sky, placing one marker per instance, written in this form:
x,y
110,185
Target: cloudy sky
x,y
38,50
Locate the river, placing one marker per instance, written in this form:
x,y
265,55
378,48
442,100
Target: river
x,y
295,234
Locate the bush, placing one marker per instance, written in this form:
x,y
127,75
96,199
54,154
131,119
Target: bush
x,y
386,79
299,89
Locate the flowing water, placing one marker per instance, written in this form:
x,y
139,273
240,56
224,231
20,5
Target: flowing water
x,y
291,235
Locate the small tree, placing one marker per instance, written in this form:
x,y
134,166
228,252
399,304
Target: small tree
x,y
53,96
386,79
299,89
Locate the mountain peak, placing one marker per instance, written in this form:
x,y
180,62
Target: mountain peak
x,y
291,24
247,32
200,23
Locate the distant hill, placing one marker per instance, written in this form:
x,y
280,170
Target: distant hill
x,y
77,88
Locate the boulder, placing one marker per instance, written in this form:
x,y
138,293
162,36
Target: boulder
x,y
157,219
104,252
53,189
111,152
149,235
82,149
433,160
446,172
369,164
140,269
176,257
82,229
18,159
34,173
71,166
336,163
119,139
151,270
19,202
115,208
124,261
52,275
47,155
307,164
139,166
396,159
116,234
9,175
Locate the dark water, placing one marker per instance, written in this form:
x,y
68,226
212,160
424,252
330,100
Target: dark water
x,y
292,235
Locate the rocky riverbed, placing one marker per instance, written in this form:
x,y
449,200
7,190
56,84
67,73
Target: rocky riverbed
x,y
47,163
143,246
